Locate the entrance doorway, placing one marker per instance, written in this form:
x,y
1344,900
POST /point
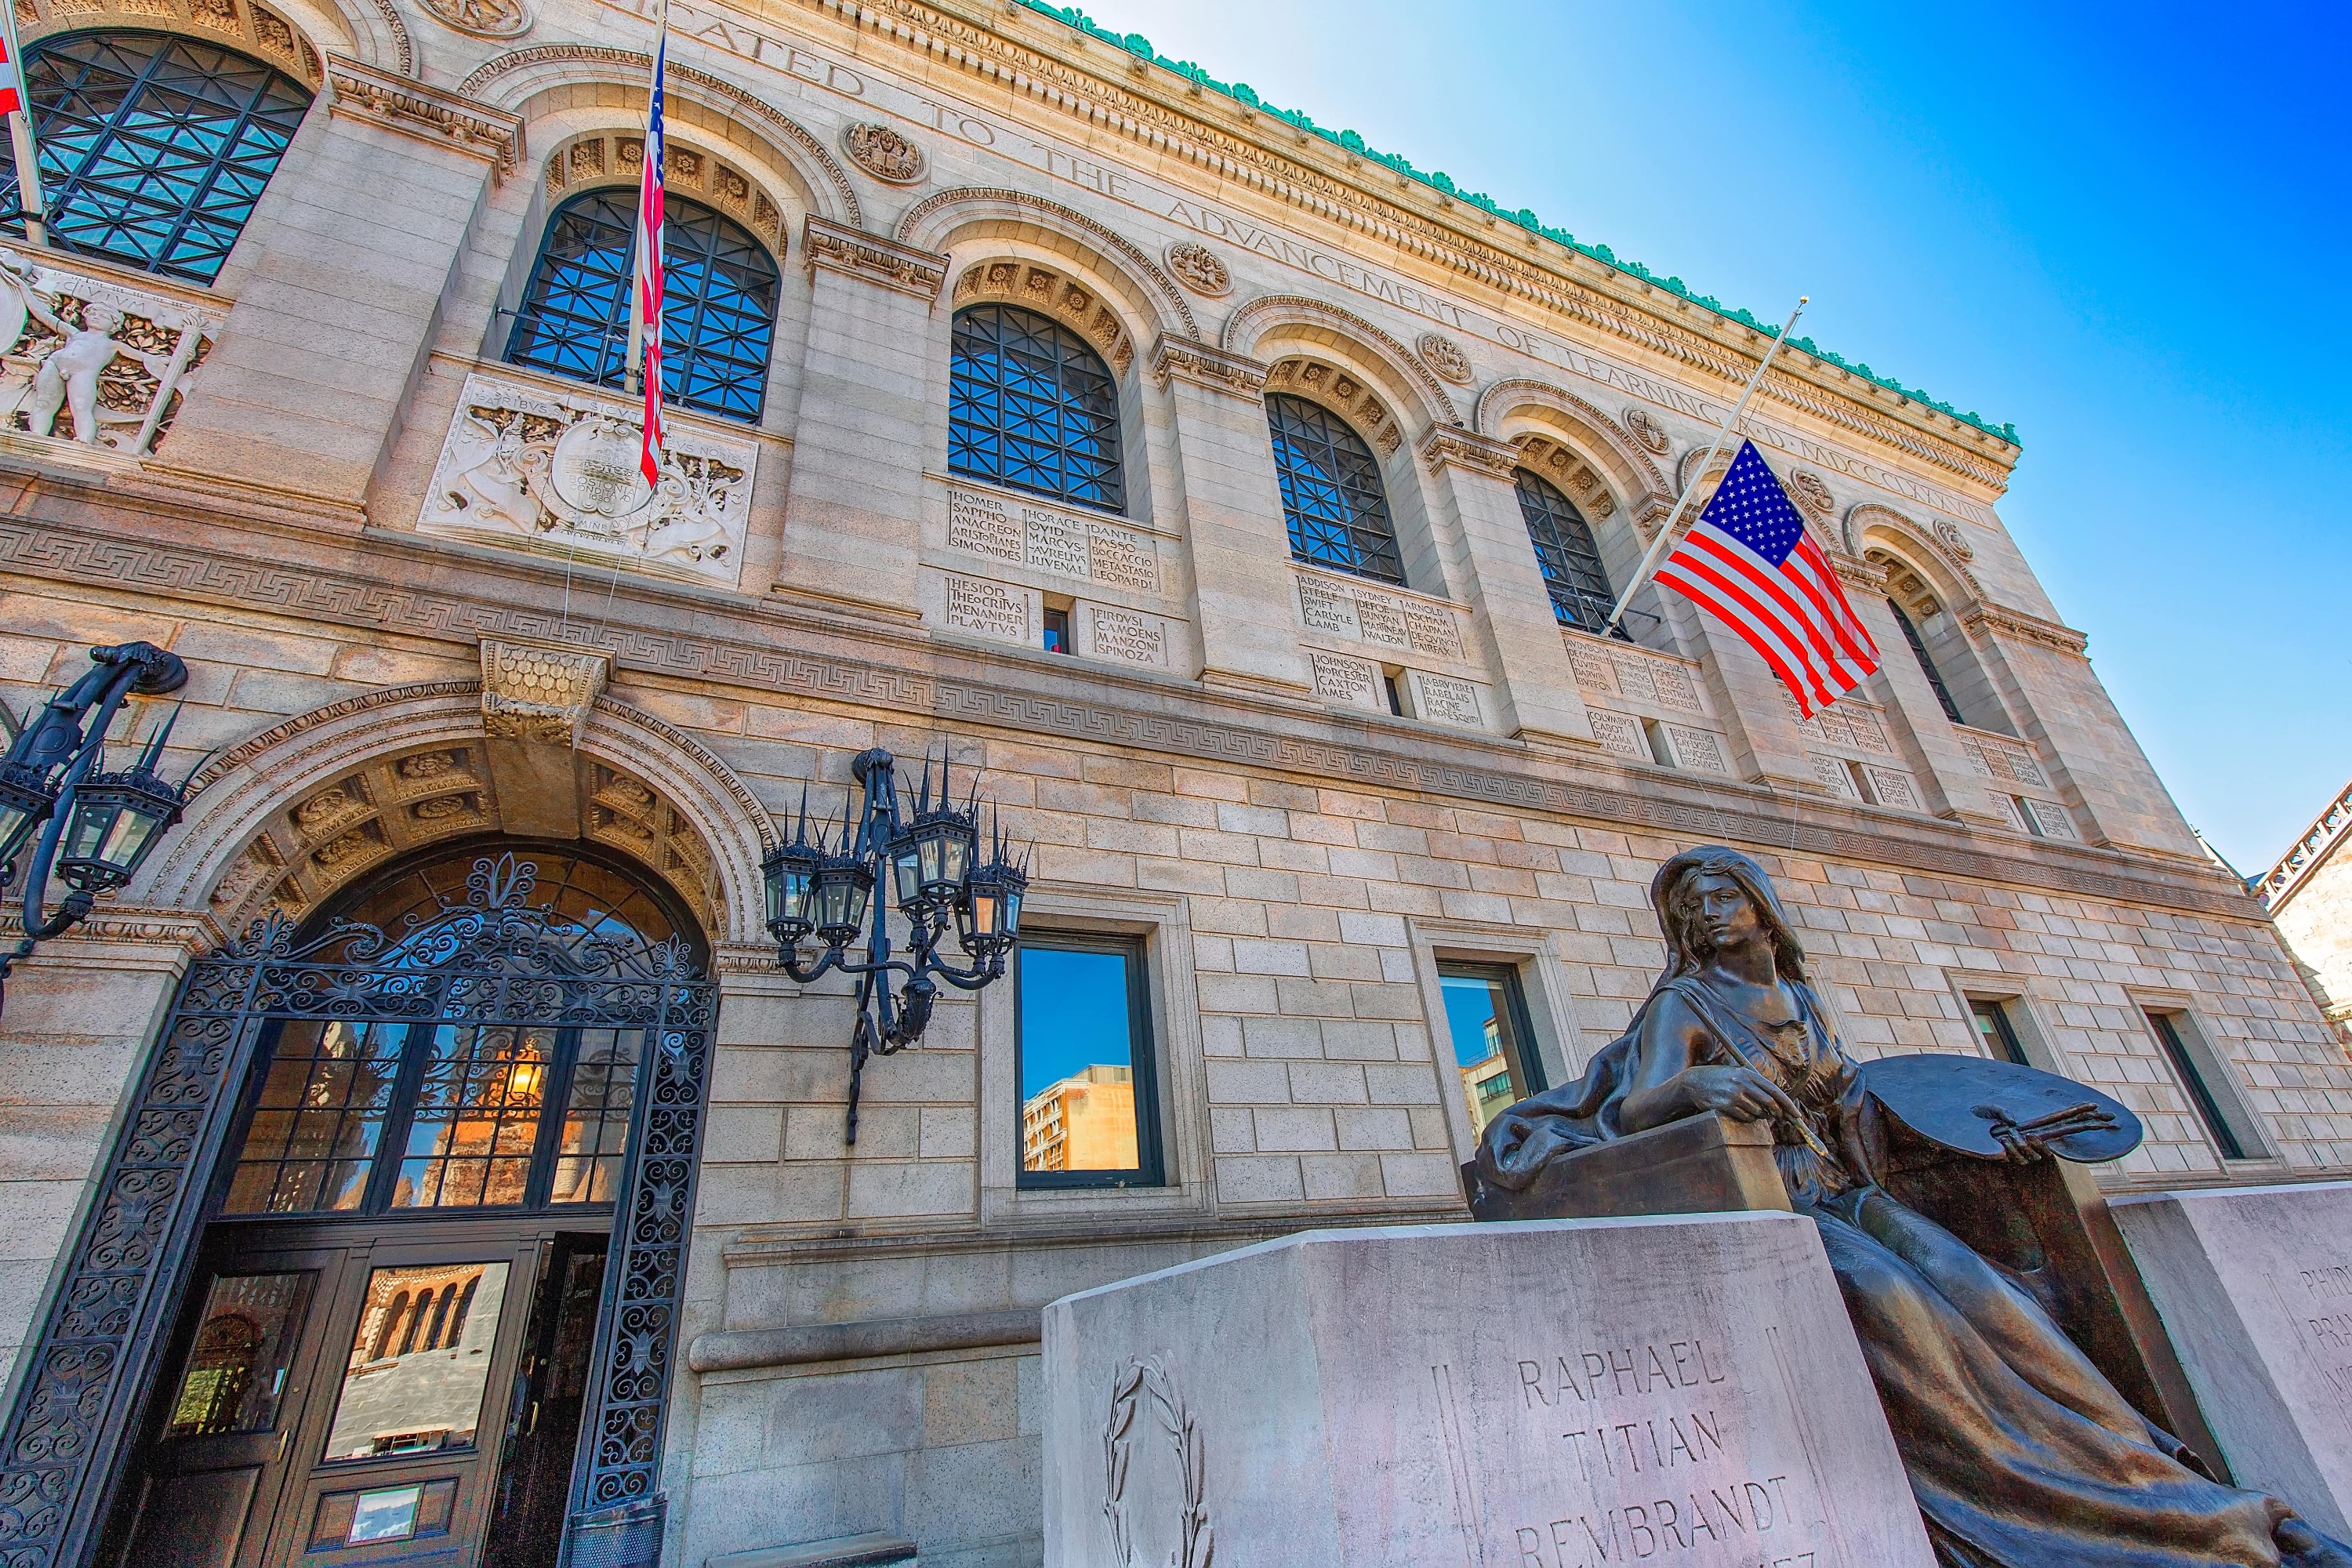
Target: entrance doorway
x,y
387,1345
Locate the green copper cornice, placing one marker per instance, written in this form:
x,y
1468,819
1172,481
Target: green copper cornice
x,y
1241,92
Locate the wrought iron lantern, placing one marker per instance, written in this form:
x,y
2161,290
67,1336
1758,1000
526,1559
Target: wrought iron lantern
x,y
825,886
95,828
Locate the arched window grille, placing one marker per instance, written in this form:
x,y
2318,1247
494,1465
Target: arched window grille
x,y
718,302
153,148
1331,492
1572,569
1031,406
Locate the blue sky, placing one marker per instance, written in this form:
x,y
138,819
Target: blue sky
x,y
2124,229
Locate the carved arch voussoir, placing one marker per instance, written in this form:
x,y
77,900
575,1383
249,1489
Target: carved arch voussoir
x,y
262,779
1261,317
828,182
1615,445
935,223
1863,517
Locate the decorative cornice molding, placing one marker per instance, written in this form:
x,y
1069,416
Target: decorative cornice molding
x,y
2029,628
2327,830
1480,454
428,114
884,262
64,542
171,928
830,173
1185,359
910,232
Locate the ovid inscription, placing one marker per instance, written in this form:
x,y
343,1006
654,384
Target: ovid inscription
x,y
1653,1430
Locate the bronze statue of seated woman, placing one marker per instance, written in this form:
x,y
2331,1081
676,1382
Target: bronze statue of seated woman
x,y
2020,1452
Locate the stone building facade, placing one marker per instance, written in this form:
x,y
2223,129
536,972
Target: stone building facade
x,y
338,464
2309,895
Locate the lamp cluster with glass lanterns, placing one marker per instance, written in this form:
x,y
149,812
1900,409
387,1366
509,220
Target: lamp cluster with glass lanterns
x,y
823,885
95,828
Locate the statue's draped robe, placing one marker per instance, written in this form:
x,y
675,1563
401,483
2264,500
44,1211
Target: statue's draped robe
x,y
2020,1453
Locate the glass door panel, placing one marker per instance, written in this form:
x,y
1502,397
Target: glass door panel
x,y
418,1362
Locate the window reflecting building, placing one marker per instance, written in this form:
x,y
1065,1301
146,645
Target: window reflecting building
x,y
1265,589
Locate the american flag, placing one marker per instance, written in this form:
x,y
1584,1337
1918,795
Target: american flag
x,y
1749,561
12,69
645,308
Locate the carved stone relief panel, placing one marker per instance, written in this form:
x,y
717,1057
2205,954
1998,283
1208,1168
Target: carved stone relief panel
x,y
88,361
1351,682
883,152
1199,268
1335,605
554,470
1051,539
1341,392
1444,357
605,160
1580,480
1645,429
1042,288
482,19
532,692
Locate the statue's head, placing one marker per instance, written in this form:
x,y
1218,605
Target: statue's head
x,y
1712,897
100,318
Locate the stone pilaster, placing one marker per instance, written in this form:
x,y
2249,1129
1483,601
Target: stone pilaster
x,y
1533,679
367,220
1242,595
853,516
1922,731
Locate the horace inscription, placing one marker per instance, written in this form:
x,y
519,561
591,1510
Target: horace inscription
x,y
1045,540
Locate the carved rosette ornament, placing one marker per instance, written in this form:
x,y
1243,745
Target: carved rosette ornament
x,y
1809,491
534,692
1947,535
1444,357
482,19
1200,268
1144,1395
884,154
1646,430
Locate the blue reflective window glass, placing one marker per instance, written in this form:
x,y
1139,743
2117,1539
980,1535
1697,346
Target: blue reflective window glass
x,y
1566,550
153,148
1088,1112
1031,406
1487,1018
1331,492
718,302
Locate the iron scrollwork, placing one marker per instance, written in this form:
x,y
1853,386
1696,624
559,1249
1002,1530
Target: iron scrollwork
x,y
494,957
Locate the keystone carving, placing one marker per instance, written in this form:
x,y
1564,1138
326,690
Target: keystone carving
x,y
534,692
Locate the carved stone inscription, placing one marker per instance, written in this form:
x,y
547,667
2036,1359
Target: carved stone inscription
x,y
1125,636
1445,701
1679,1392
992,609
1390,620
1046,539
1354,681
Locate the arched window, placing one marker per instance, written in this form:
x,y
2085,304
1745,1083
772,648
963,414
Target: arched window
x,y
153,148
1572,572
718,302
1331,491
1031,406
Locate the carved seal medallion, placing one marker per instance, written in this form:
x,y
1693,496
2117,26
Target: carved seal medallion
x,y
593,471
1646,430
1808,491
1198,268
1947,535
483,18
1444,358
883,154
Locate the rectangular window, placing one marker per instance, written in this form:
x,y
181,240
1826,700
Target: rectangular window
x,y
1494,1046
2226,1122
322,1111
476,1125
2000,1036
419,1360
1057,631
1089,1112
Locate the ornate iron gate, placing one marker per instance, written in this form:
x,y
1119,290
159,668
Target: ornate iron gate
x,y
494,958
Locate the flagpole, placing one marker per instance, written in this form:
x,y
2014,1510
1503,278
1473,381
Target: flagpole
x,y
653,97
20,134
1664,541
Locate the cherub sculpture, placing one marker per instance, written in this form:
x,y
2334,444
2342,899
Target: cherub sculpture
x,y
68,378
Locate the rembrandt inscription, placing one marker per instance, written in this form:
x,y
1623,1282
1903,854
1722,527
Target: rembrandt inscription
x,y
1047,540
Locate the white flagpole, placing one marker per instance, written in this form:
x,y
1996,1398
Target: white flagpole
x,y
1665,540
20,136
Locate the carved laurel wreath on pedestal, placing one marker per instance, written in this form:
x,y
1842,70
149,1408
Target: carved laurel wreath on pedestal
x,y
1135,1382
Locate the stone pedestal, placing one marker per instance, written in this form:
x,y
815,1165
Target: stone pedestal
x,y
2254,1285
1544,1393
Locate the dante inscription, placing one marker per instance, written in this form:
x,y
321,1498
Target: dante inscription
x,y
1122,559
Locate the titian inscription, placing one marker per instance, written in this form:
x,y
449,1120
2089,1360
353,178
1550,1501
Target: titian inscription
x,y
1046,539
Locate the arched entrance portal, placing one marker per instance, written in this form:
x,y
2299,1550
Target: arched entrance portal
x,y
413,1331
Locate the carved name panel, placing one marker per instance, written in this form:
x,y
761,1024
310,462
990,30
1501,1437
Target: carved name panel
x,y
1621,733
1683,1391
1444,700
1894,788
554,471
1047,539
1615,669
1354,682
991,609
1127,635
1391,620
